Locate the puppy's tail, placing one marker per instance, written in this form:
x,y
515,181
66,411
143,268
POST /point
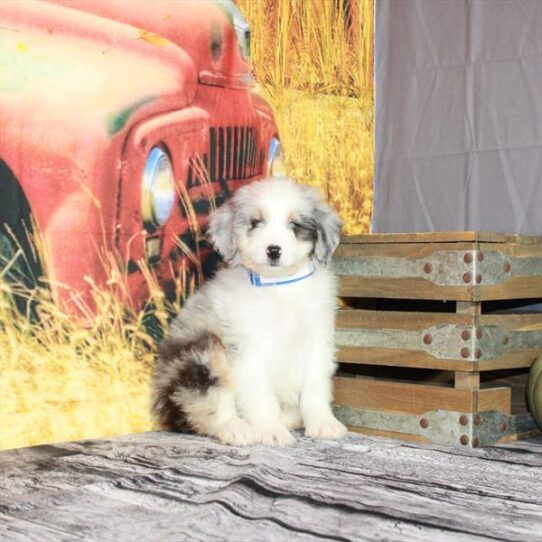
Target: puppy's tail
x,y
187,377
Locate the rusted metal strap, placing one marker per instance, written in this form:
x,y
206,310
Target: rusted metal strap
x,y
444,268
447,341
442,426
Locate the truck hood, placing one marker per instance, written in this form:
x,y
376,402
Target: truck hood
x,y
202,28
60,67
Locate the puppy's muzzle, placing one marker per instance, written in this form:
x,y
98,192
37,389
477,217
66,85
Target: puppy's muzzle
x,y
273,253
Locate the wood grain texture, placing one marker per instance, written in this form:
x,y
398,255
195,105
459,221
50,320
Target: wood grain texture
x,y
467,380
413,250
403,320
412,320
405,398
513,288
409,288
397,357
499,399
399,396
389,434
443,237
419,288
171,487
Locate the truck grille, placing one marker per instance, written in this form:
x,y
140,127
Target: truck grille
x,y
234,154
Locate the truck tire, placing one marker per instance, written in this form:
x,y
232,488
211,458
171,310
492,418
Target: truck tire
x,y
19,260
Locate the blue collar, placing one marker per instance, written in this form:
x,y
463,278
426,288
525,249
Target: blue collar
x,y
258,280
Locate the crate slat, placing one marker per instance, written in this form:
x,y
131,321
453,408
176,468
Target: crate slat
x,y
365,393
442,237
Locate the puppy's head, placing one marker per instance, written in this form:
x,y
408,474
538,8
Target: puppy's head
x,y
275,226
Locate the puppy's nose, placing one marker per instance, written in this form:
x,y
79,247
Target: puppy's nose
x,y
273,252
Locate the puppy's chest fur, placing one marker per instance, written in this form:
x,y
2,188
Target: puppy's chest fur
x,y
278,320
278,326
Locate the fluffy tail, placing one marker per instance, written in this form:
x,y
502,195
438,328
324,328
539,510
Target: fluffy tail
x,y
187,378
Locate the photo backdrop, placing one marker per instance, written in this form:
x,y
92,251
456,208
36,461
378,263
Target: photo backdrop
x,y
312,60
458,116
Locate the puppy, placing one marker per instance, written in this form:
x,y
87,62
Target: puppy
x,y
251,355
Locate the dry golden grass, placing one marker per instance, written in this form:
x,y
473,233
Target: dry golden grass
x,y
315,67
328,143
60,380
313,45
63,378
63,381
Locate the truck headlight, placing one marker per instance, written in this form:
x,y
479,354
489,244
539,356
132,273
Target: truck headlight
x,y
158,189
276,166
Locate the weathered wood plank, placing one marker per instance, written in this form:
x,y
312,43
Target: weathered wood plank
x,y
397,357
499,399
412,288
412,320
514,322
403,320
164,486
512,288
442,237
411,251
419,288
467,380
398,396
389,434
415,398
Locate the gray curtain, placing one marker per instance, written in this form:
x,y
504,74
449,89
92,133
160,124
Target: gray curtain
x,y
458,138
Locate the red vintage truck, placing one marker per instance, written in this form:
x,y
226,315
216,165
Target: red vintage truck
x,y
122,123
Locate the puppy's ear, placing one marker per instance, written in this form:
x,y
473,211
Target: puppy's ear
x,y
328,230
221,230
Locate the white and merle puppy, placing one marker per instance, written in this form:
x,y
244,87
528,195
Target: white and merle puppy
x,y
251,355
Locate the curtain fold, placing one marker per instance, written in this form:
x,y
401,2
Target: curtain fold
x,y
458,116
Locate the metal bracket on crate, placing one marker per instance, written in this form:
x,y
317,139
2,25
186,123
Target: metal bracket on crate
x,y
447,341
477,343
444,268
442,426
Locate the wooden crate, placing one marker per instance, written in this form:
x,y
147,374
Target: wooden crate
x,y
423,352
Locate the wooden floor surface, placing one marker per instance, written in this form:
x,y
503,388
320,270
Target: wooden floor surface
x,y
169,487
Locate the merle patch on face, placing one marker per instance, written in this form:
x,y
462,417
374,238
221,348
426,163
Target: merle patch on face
x,y
248,219
254,223
305,229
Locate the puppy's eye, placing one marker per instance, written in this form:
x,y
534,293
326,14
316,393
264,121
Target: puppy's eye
x,y
255,222
295,226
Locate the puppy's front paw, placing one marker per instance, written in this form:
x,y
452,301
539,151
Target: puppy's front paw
x,y
237,432
328,428
276,436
